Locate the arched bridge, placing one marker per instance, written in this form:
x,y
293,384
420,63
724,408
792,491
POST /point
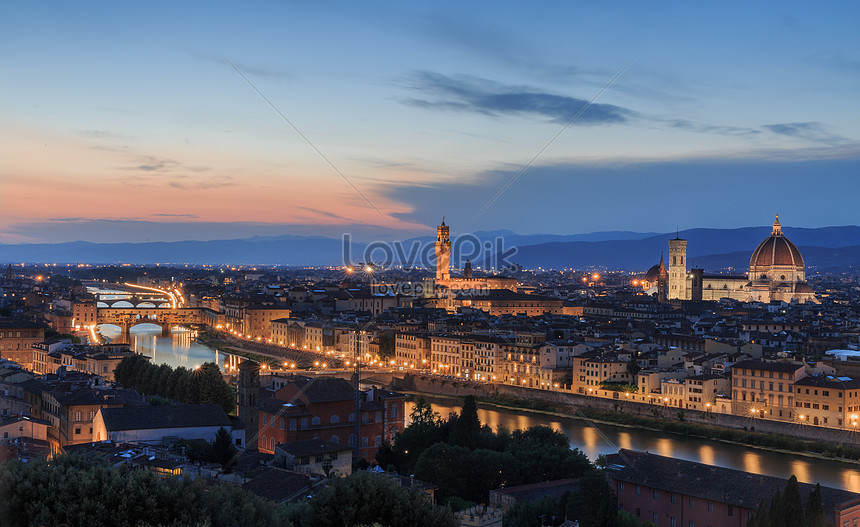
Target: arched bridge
x,y
127,318
136,301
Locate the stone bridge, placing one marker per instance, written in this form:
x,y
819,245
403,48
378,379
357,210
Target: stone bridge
x,y
136,301
127,318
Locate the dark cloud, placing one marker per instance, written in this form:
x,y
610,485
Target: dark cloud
x,y
471,94
811,131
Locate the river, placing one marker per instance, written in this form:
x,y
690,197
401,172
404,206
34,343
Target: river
x,y
596,439
178,349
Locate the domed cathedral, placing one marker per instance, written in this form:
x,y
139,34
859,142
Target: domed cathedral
x,y
776,272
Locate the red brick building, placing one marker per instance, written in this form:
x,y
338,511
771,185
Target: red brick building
x,y
324,408
676,493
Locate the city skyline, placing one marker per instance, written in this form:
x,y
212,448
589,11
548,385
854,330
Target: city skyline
x,y
122,124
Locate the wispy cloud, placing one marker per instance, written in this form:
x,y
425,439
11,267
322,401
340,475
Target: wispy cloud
x,y
712,128
100,134
182,182
472,94
166,215
810,131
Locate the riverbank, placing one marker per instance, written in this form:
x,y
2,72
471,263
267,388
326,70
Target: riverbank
x,y
563,406
765,441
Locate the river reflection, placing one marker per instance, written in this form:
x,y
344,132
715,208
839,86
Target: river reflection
x,y
178,349
605,439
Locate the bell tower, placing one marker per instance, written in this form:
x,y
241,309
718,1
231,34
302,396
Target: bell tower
x,y
677,269
249,405
443,252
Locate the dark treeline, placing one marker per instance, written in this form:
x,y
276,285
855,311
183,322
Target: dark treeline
x,y
203,385
786,509
76,491
466,460
79,492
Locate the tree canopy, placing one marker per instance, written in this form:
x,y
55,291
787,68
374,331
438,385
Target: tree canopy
x,y
786,509
201,385
365,498
76,491
466,460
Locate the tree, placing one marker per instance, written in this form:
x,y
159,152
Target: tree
x,y
223,451
792,503
386,345
467,429
633,367
593,504
367,498
84,491
814,512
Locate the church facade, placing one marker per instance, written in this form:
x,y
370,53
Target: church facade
x,y
776,273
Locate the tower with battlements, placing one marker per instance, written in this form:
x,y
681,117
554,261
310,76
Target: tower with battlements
x,y
443,252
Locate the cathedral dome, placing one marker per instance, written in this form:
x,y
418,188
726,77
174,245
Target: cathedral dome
x,y
775,251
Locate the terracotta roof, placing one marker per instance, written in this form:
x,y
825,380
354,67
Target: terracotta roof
x,y
776,249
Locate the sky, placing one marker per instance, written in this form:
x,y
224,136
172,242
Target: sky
x,y
164,121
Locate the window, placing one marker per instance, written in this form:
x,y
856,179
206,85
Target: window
x,y
77,417
692,523
315,421
654,519
282,423
730,510
621,486
691,505
365,442
272,444
710,506
335,439
335,419
672,498
319,458
265,419
77,430
638,490
304,423
654,494
672,521
292,424
304,460
264,441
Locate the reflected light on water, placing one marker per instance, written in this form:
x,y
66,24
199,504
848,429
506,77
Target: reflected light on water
x,y
706,454
664,447
801,469
625,441
752,462
590,442
851,480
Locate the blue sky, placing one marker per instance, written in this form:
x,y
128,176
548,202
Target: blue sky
x,y
126,122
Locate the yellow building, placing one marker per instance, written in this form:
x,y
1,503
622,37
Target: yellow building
x,y
828,401
765,389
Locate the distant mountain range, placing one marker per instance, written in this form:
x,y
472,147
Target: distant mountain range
x,y
711,249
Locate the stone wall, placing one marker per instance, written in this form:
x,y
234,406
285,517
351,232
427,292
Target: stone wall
x,y
568,402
